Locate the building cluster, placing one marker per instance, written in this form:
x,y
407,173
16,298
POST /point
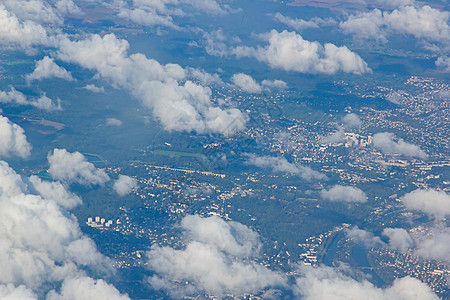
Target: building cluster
x,y
98,222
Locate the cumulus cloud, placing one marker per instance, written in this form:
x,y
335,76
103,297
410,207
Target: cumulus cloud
x,y
443,62
86,288
45,103
364,237
10,292
300,24
47,68
124,185
94,88
431,202
424,22
74,167
12,139
385,141
391,4
324,283
67,7
399,239
434,244
161,13
335,137
351,121
25,34
395,98
429,243
215,43
205,78
277,84
290,52
113,122
246,83
214,261
340,193
280,164
178,106
16,97
41,11
55,191
37,11
40,242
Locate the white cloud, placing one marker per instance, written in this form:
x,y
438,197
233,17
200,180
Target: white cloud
x,y
24,34
280,164
365,25
340,193
391,4
55,191
215,43
94,88
424,23
68,7
277,84
385,142
213,261
443,62
113,122
336,137
352,121
12,139
431,202
325,283
246,83
37,11
290,52
73,167
365,237
47,68
40,242
13,96
395,98
399,239
11,183
231,237
86,288
161,12
10,292
434,244
429,243
178,106
43,102
299,24
147,16
124,185
207,6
